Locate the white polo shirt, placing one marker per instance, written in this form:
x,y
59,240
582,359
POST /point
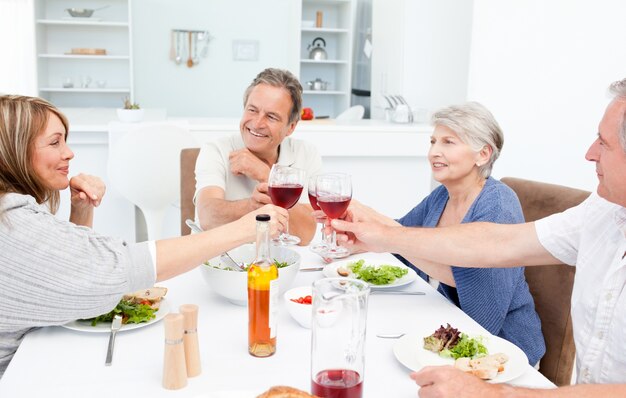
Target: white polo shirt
x,y
213,166
592,236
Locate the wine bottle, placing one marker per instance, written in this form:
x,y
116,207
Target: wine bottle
x,y
262,294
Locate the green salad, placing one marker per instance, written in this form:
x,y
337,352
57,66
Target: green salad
x,y
279,264
377,275
130,312
466,347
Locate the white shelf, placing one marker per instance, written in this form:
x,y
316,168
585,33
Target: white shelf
x,y
327,61
89,57
324,92
84,90
326,2
337,22
86,22
325,30
57,34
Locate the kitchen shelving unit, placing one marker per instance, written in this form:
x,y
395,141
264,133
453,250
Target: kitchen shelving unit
x,y
337,30
109,76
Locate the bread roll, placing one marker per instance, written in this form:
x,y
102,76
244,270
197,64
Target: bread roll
x,y
285,392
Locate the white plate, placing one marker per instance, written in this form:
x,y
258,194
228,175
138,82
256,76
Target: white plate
x,y
330,271
410,352
229,394
105,327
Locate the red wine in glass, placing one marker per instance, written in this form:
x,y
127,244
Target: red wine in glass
x,y
313,201
334,206
337,383
285,196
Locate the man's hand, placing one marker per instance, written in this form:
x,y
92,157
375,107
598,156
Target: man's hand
x,y
243,162
447,381
86,191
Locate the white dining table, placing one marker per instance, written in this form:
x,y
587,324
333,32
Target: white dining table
x,y
56,361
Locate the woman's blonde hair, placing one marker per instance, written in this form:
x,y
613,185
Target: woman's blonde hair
x,y
476,127
22,119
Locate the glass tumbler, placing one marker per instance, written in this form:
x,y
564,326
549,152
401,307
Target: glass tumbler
x,y
338,337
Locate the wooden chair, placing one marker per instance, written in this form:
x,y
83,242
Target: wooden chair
x,y
551,285
188,158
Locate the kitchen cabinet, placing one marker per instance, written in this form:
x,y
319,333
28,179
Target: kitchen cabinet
x,y
69,79
336,21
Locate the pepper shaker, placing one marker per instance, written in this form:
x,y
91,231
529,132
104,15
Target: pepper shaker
x,y
190,339
174,369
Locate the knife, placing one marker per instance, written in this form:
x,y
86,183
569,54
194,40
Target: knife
x,y
311,269
116,324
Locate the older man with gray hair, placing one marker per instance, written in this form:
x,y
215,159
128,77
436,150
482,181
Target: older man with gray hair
x,y
232,172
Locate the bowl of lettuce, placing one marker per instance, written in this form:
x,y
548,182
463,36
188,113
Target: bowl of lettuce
x,y
233,285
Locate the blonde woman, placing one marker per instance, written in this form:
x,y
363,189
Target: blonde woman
x,y
54,271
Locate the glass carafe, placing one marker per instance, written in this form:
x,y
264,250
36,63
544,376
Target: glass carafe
x,y
338,337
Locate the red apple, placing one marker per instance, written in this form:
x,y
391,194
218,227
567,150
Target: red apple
x,y
307,114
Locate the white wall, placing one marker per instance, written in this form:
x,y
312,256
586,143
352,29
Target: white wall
x,y
542,67
215,86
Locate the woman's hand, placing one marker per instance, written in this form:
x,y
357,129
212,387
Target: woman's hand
x,y
279,219
86,191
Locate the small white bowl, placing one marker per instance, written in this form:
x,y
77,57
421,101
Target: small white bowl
x,y
302,313
233,285
308,23
130,115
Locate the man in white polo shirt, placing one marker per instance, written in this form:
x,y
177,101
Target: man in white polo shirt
x,y
232,172
591,236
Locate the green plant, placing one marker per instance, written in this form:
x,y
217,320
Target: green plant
x,y
130,105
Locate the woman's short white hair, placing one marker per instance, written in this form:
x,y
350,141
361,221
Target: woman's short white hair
x,y
618,89
476,127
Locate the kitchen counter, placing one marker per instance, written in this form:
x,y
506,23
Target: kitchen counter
x,y
387,161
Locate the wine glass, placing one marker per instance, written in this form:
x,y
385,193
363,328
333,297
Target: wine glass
x,y
321,247
334,192
285,187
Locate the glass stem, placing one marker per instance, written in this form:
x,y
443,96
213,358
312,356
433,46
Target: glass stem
x,y
324,237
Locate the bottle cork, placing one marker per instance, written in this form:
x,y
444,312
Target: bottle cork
x,y
319,16
174,368
190,339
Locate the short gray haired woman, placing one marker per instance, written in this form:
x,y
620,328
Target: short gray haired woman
x,y
476,127
465,143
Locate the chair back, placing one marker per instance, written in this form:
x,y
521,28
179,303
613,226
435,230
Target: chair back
x,y
143,168
353,113
551,285
188,158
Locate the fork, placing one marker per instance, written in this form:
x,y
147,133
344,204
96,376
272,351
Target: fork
x,y
116,324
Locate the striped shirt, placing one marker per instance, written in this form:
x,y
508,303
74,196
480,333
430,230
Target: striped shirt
x,y
53,272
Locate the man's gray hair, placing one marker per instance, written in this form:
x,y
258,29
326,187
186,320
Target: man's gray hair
x,y
618,89
476,127
283,79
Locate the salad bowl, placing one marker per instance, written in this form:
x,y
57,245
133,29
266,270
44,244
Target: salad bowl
x,y
233,285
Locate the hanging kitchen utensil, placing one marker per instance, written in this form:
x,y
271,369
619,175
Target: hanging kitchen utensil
x,y
317,49
179,57
190,58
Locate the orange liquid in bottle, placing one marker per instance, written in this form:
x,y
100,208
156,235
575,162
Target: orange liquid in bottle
x,y
262,306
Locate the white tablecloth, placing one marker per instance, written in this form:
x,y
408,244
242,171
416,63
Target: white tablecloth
x,y
56,361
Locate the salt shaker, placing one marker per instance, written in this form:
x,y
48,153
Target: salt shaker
x,y
190,339
174,369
